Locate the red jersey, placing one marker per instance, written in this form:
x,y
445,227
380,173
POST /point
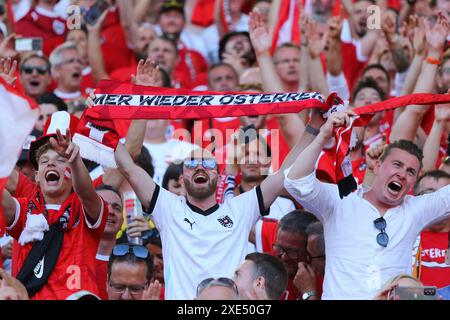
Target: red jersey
x,y
101,271
434,271
45,24
75,266
116,52
25,187
191,66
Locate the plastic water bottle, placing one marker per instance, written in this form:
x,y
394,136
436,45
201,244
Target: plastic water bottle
x,y
133,208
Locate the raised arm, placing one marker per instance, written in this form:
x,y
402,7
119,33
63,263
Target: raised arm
x,y
409,120
433,142
129,24
273,185
140,10
316,45
260,38
305,162
95,55
393,40
9,207
81,181
140,181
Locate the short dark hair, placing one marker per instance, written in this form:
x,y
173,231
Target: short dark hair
x,y
169,40
379,67
272,270
222,64
404,145
296,221
368,83
173,172
35,56
132,259
435,174
316,229
145,161
105,187
52,98
230,35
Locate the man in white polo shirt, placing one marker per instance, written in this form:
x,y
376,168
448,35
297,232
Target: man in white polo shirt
x,y
368,236
200,238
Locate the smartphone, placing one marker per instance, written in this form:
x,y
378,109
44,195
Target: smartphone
x,y
415,293
28,44
95,11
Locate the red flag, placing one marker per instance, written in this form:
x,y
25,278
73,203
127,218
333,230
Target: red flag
x,y
287,28
19,114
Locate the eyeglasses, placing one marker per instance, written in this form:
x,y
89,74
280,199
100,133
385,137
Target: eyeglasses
x,y
41,70
208,163
382,237
290,253
121,288
138,251
224,282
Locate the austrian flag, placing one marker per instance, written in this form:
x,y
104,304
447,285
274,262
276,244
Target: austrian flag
x,y
18,116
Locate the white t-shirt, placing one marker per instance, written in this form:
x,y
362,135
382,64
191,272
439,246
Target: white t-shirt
x,y
211,38
356,265
163,154
200,244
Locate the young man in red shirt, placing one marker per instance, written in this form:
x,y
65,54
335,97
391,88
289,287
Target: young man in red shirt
x,y
59,228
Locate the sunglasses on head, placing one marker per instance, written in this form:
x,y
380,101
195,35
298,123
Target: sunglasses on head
x,y
29,69
382,237
225,282
207,163
138,251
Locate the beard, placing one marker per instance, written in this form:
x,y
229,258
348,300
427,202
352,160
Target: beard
x,y
201,193
174,36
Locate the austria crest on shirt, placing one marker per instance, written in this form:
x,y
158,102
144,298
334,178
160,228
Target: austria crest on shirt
x,y
226,221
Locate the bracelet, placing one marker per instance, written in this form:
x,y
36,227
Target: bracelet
x,y
431,60
312,131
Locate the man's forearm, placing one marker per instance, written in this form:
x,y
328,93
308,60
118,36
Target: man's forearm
x,y
334,57
398,55
271,80
318,79
306,161
95,57
9,207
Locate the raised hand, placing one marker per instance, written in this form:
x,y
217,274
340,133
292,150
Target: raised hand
x,y
98,24
64,146
336,120
373,154
7,70
335,28
90,100
418,38
235,61
437,36
7,47
316,43
305,278
442,112
147,74
139,225
153,292
259,33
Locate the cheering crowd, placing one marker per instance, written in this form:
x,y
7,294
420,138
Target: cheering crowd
x,y
253,207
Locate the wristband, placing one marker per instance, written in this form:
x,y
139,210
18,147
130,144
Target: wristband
x,y
431,60
312,131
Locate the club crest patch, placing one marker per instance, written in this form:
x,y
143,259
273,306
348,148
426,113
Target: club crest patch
x,y
226,221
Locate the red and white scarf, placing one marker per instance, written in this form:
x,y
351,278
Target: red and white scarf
x,y
98,138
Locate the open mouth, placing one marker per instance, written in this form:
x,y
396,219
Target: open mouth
x,y
200,178
395,187
76,75
34,83
52,177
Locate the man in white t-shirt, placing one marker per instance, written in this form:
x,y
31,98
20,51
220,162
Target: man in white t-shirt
x,y
163,149
369,235
200,238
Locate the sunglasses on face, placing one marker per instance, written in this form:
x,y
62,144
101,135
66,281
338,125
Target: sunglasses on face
x,y
382,237
225,282
41,70
209,163
138,251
